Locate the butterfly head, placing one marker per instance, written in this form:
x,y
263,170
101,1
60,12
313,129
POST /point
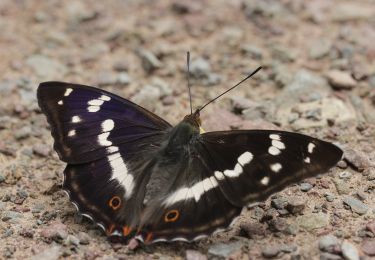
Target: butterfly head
x,y
194,120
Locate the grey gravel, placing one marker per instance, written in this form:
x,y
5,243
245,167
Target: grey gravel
x,y
271,251
313,221
329,243
356,205
46,68
200,68
349,251
149,61
305,186
224,250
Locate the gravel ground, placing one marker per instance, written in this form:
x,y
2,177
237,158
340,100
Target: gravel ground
x,y
318,79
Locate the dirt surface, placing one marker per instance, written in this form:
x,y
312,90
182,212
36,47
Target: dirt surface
x,y
318,79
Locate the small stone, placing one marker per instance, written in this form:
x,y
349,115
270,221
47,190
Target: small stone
x,y
200,68
278,224
368,247
345,175
194,255
123,79
296,205
361,195
225,250
252,51
22,133
279,202
149,61
340,79
251,229
10,216
356,205
84,238
357,158
371,226
147,97
292,229
106,78
45,67
282,53
271,251
348,11
42,150
329,243
51,253
341,186
329,256
165,89
305,186
349,251
72,240
56,231
329,197
342,164
121,65
320,49
313,221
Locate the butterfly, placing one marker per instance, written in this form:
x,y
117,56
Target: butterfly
x,y
136,175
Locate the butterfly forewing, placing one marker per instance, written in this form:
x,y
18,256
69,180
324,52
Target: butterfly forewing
x,y
87,121
108,143
251,165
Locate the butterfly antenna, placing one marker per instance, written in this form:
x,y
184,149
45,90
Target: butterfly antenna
x,y
239,83
188,79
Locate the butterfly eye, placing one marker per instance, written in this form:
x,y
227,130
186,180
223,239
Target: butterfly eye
x,y
171,216
115,202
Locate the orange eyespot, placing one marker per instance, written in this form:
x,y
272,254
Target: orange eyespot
x,y
126,230
171,216
115,202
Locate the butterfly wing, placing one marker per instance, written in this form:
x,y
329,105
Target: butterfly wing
x,y
190,207
250,165
107,142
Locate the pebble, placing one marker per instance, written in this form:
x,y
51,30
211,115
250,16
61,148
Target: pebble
x,y
278,224
283,54
133,244
251,229
239,104
200,68
340,79
10,216
165,89
225,250
121,65
329,256
194,255
296,205
345,175
271,251
329,243
313,221
279,202
72,240
344,12
46,68
356,158
109,78
51,253
84,238
252,51
23,133
368,247
341,186
305,186
56,231
147,97
41,150
356,205
371,226
349,251
320,49
149,61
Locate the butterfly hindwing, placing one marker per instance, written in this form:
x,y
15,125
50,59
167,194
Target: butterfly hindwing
x,y
108,143
250,165
191,206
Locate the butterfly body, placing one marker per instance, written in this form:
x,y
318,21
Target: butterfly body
x,y
136,175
